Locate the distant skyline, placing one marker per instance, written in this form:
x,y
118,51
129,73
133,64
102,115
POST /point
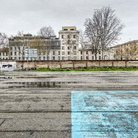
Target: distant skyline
x,y
30,15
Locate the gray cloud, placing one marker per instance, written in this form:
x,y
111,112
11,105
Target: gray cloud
x,y
31,15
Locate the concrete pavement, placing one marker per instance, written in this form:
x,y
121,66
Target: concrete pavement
x,y
38,104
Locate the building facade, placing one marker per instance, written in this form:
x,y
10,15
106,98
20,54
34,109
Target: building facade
x,y
4,53
66,47
126,51
47,48
88,52
69,38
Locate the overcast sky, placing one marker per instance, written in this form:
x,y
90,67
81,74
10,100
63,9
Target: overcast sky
x,y
30,15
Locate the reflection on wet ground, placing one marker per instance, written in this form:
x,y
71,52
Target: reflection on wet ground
x,y
36,77
38,84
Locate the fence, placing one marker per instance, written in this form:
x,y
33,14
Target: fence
x,y
76,64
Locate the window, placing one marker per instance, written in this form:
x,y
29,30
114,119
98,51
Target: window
x,y
65,29
92,52
86,52
68,52
74,47
71,29
86,57
58,52
74,36
58,58
99,57
68,58
63,58
62,36
53,58
53,52
74,52
74,42
0,53
81,52
68,48
63,48
99,52
92,57
63,53
75,58
81,57
14,53
68,36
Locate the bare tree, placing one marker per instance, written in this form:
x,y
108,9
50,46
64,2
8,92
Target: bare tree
x,y
82,40
3,40
133,50
46,32
20,33
128,51
103,29
39,44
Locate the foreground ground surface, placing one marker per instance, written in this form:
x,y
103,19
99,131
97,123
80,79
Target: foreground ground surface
x,y
69,104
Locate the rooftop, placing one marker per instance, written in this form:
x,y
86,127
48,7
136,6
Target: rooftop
x,y
134,41
5,49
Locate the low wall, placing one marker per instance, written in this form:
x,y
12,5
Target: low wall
x,y
76,64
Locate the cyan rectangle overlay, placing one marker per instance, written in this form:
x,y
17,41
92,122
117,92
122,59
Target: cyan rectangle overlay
x,y
104,114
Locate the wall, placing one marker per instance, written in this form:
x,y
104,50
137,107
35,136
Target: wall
x,y
77,64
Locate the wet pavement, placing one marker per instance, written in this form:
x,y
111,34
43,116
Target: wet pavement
x,y
69,104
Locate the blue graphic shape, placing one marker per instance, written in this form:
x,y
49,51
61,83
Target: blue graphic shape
x,y
104,114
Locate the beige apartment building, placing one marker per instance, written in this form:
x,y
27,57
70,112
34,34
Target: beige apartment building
x,y
126,51
4,53
69,43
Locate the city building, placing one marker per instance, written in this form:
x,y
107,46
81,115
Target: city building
x,y
4,53
88,52
66,47
47,48
69,38
126,51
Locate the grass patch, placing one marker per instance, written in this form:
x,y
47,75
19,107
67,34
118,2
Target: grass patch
x,y
91,69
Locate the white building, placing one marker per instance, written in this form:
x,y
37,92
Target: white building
x,y
17,46
69,38
66,47
88,52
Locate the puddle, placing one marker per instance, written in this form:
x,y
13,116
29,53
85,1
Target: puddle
x,y
36,77
38,84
